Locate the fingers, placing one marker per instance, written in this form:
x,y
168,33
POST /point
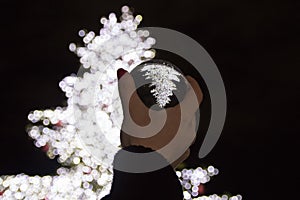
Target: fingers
x,y
191,101
196,88
126,86
193,128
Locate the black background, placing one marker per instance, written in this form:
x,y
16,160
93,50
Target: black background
x,y
255,45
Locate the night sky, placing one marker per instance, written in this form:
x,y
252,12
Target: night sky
x,y
255,45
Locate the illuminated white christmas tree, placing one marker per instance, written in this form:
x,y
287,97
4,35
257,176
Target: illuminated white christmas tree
x,y
71,133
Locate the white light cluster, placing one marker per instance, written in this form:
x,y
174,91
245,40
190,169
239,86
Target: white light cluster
x,y
75,183
191,179
71,133
216,197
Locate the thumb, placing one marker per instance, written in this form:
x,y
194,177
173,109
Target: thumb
x,y
129,97
126,86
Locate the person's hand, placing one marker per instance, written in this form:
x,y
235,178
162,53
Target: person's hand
x,y
173,127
